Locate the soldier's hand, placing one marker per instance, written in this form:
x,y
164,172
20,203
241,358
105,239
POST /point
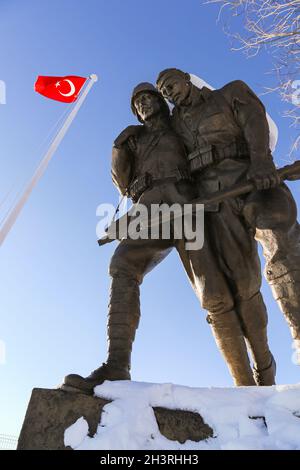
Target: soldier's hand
x,y
131,142
264,176
126,134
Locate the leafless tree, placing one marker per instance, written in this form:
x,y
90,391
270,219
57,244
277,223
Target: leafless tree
x,y
274,25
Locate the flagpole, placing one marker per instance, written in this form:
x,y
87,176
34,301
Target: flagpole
x,y
13,215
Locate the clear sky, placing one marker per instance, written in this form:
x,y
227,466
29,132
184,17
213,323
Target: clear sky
x,y
54,282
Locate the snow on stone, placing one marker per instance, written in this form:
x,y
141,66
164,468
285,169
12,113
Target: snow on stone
x,y
128,423
75,434
273,129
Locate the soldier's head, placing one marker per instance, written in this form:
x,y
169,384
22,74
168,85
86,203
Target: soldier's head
x,y
147,102
175,85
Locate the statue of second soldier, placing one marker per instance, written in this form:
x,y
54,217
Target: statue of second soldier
x,y
226,136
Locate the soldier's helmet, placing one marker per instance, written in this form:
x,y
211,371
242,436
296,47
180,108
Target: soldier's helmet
x,y
148,87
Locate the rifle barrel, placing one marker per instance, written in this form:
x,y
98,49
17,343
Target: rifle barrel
x,y
288,172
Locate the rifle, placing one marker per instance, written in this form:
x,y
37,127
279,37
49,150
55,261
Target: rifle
x,y
288,172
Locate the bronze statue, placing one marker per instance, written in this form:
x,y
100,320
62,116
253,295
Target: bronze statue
x,y
153,148
226,137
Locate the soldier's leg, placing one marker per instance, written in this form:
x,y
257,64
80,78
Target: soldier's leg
x,y
254,319
237,252
130,262
273,213
214,294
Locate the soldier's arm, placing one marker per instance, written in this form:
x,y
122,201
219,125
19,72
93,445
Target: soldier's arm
x,y
122,167
250,114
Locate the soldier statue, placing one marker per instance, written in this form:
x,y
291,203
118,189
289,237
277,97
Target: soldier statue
x,y
226,137
149,165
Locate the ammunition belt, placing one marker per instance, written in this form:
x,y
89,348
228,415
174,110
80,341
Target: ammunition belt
x,y
207,156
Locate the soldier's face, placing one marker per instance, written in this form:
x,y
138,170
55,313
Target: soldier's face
x,y
175,89
147,105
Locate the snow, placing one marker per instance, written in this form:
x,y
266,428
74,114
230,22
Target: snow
x,y
128,422
273,129
76,433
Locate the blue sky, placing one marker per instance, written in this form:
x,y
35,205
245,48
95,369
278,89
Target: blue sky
x,y
54,282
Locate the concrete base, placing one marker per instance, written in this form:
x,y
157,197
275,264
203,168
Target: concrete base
x,y
50,412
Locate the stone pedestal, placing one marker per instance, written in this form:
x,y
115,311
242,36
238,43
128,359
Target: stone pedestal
x,y
50,412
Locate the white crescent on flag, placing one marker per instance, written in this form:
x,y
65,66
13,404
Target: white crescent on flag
x,y
72,87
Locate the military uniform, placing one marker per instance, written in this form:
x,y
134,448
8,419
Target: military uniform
x,y
154,172
226,135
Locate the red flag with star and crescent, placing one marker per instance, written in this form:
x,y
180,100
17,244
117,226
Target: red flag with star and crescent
x,y
65,89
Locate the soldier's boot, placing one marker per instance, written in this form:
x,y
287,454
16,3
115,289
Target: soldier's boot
x,y
266,376
229,337
254,319
123,320
286,291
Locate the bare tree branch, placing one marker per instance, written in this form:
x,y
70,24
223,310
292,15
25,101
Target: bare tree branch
x,y
273,25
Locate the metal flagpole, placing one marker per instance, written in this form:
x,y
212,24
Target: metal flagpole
x,y
12,217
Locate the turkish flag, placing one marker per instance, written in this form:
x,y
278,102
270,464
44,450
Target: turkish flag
x,y
64,89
